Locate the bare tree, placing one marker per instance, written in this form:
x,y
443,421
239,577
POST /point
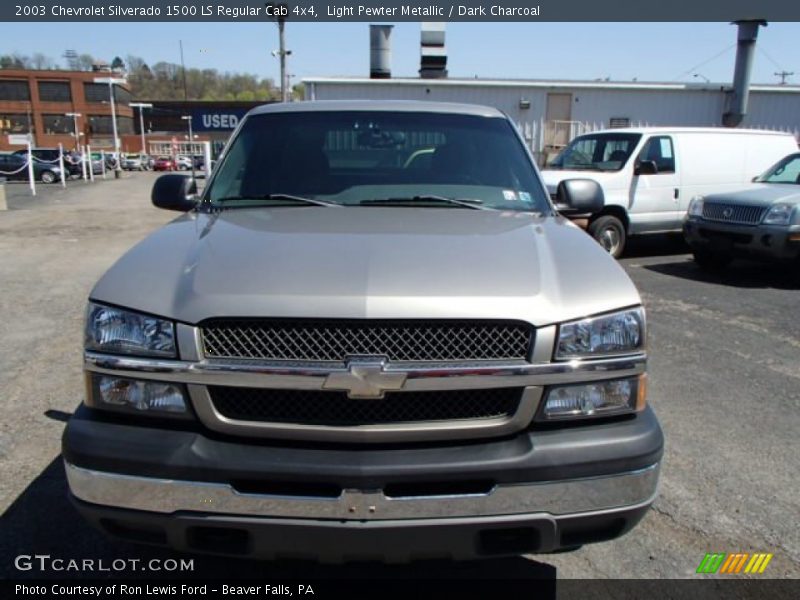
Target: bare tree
x,y
85,62
40,61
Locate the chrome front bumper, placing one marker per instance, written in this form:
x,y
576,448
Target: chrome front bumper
x,y
553,498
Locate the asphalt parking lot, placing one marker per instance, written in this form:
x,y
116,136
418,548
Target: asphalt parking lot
x,y
724,381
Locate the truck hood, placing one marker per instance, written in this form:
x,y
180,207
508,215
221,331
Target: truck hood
x,y
552,177
760,194
368,262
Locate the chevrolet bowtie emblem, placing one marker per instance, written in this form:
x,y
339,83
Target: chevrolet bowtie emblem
x,y
365,378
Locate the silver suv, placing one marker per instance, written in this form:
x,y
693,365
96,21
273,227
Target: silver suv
x,y
760,222
371,337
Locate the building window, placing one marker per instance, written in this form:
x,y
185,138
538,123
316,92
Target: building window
x,y
55,91
122,96
124,125
101,124
98,92
14,123
55,124
14,90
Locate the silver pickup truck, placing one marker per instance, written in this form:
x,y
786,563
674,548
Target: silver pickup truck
x,y
372,337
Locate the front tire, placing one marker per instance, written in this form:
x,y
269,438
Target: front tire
x,y
48,177
609,232
709,260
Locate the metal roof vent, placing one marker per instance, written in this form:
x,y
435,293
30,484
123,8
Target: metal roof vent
x,y
745,51
433,60
380,51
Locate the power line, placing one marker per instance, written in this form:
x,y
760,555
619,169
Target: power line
x,y
769,58
702,64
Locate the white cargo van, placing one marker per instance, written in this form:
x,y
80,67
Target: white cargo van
x,y
649,175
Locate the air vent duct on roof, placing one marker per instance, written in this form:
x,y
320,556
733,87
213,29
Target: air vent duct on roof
x,y
433,60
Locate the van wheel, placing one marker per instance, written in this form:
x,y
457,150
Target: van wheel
x,y
48,177
709,260
609,232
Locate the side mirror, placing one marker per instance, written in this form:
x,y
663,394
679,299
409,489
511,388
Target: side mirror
x,y
581,195
646,167
174,192
754,179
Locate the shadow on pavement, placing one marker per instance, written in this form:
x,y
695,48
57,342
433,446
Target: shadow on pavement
x,y
655,245
740,273
42,521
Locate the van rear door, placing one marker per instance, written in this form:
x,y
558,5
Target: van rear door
x,y
655,197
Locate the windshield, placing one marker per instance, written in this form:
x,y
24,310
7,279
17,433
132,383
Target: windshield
x,y
355,157
786,171
597,152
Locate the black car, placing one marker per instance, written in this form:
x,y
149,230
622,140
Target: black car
x,y
13,167
49,157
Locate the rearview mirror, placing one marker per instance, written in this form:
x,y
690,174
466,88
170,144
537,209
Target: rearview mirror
x,y
646,167
174,192
581,195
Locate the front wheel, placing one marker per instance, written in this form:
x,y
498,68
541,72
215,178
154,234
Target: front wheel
x,y
709,260
609,232
48,177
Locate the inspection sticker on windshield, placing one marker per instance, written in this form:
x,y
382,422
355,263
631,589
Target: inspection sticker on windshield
x,y
509,194
525,196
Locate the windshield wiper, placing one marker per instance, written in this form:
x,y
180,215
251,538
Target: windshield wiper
x,y
278,197
410,200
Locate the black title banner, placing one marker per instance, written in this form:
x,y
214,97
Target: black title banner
x,y
397,10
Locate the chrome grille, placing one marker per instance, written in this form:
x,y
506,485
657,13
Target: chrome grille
x,y
733,213
318,340
335,409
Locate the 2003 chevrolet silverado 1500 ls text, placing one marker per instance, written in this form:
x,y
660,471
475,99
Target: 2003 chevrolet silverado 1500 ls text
x,y
371,338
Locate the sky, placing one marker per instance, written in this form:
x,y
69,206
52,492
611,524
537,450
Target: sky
x,y
620,51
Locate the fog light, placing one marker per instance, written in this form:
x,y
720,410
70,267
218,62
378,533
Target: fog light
x,y
596,399
138,396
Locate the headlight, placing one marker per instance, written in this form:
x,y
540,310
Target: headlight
x,y
696,207
124,332
596,399
617,333
779,214
132,395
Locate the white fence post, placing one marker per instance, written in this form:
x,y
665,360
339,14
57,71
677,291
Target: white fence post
x,y
207,159
88,154
31,177
61,165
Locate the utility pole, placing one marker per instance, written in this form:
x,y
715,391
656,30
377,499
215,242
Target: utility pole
x,y
183,69
280,12
75,116
783,75
141,106
112,81
188,119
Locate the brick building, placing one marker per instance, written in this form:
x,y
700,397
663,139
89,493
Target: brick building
x,y
36,102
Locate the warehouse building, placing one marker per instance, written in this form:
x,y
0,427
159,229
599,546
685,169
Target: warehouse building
x,y
550,113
